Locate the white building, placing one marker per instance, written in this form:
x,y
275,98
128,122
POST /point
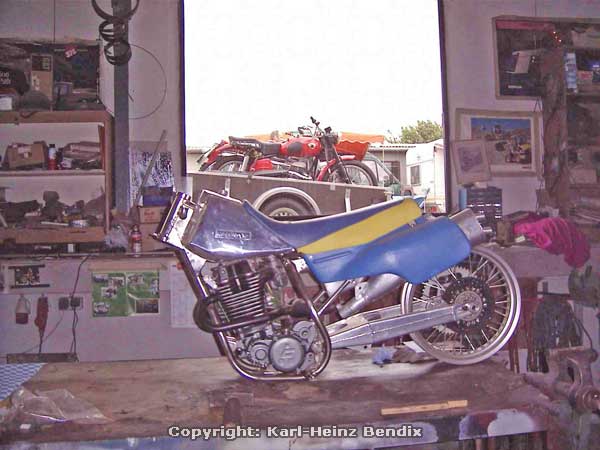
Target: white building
x,y
425,171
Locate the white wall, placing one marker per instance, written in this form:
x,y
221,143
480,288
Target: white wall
x,y
470,70
154,27
98,338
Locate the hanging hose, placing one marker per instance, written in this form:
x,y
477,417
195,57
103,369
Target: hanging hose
x,y
113,30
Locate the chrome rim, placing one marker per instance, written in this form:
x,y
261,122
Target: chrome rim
x,y
356,174
231,166
483,279
284,211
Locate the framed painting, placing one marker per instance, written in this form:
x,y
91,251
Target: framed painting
x,y
512,139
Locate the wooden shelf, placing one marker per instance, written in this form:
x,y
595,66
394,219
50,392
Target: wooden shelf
x,y
82,116
584,96
50,173
69,235
100,119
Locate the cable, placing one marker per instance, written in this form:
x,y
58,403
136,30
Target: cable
x,y
585,331
75,318
165,85
47,335
73,347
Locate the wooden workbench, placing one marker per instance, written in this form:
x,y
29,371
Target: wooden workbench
x,y
145,398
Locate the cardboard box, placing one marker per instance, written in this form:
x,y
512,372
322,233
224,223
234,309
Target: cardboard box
x,y
42,74
149,244
151,214
19,156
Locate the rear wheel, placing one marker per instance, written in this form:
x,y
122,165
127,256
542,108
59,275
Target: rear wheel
x,y
232,163
286,207
483,279
358,172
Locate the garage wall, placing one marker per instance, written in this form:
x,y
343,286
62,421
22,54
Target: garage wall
x,y
98,338
470,76
154,27
470,70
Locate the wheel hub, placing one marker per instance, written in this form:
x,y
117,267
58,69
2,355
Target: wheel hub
x,y
475,295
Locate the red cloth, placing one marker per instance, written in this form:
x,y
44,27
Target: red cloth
x,y
557,236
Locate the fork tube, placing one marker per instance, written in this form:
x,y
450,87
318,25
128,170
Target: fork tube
x,y
245,163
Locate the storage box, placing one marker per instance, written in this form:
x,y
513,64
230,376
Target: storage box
x,y
151,214
149,244
19,156
42,75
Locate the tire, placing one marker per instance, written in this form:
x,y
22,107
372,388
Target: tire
x,y
286,207
490,328
232,163
358,172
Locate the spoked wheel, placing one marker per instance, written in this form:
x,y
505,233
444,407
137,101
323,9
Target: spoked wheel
x,y
231,163
358,173
484,280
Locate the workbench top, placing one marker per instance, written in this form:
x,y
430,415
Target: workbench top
x,y
145,398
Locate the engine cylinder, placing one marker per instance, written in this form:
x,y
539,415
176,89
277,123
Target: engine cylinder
x,y
240,291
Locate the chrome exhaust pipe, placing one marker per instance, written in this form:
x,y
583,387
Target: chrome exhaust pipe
x,y
368,292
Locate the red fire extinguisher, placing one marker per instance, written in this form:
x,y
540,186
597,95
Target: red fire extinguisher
x,y
22,310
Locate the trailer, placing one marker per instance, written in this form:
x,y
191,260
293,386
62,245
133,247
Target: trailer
x,y
289,197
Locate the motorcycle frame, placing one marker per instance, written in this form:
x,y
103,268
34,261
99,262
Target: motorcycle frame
x,y
207,319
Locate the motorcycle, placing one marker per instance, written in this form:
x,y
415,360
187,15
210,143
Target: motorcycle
x,y
264,286
300,157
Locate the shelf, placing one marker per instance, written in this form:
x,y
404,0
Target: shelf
x,y
83,116
69,235
585,96
49,173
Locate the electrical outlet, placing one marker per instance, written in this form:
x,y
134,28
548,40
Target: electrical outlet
x,y
63,303
76,302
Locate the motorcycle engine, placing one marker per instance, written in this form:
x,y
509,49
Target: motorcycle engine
x,y
250,288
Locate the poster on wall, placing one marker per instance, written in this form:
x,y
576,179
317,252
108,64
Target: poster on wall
x,y
511,139
470,161
121,294
27,276
159,187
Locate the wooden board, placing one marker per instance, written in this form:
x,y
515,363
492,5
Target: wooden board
x,y
144,398
65,235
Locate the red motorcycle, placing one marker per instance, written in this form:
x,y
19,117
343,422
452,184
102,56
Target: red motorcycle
x,y
307,155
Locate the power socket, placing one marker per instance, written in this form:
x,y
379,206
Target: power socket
x,y
74,302
63,303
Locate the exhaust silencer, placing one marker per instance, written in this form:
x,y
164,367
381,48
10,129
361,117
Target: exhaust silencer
x,y
470,226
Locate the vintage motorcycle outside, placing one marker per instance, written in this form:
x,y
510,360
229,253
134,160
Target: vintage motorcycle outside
x,y
310,154
263,286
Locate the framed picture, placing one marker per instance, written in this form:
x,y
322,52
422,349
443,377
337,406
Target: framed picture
x,y
28,276
512,139
470,161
